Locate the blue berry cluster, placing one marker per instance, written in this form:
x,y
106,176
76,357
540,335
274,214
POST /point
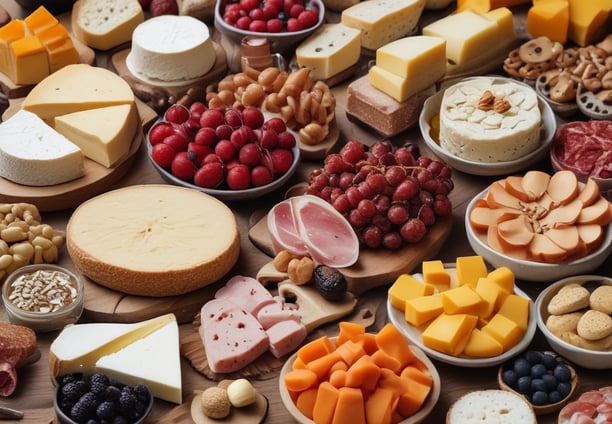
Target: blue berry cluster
x,y
97,399
541,377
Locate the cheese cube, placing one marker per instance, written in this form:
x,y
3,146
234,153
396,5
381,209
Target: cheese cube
x,y
482,6
390,84
482,345
10,32
461,300
30,60
422,309
489,292
60,48
516,308
470,269
382,21
468,34
407,287
549,18
589,21
503,277
504,330
449,333
331,49
435,274
40,20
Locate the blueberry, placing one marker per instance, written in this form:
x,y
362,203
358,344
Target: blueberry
x,y
562,373
538,370
540,398
550,381
555,396
509,377
522,367
524,384
533,357
564,388
550,361
538,385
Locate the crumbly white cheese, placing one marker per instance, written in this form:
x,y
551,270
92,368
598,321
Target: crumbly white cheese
x,y
472,133
34,154
171,48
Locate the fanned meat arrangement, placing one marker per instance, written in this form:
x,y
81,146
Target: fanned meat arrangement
x,y
17,344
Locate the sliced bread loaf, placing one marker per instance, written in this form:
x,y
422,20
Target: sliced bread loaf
x,y
491,406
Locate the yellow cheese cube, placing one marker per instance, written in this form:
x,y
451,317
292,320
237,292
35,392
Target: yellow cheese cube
x,y
435,274
382,21
549,18
482,345
422,309
489,292
30,60
505,22
419,58
516,308
10,32
61,52
407,287
331,49
449,333
461,300
503,277
390,84
39,20
589,21
504,330
470,269
482,6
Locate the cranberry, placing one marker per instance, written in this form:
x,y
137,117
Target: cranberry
x,y
159,132
162,154
210,175
211,118
182,166
238,177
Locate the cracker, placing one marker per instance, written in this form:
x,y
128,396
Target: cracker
x,y
594,325
597,345
601,299
570,298
558,324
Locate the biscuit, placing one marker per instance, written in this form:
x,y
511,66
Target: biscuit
x,y
594,325
558,324
572,338
570,298
601,299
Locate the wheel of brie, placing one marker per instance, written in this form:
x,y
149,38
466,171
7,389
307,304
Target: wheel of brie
x,y
153,240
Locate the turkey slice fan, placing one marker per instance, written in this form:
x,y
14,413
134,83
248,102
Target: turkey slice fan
x,y
308,225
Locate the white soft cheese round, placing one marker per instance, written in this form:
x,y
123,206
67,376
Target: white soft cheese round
x,y
170,48
472,133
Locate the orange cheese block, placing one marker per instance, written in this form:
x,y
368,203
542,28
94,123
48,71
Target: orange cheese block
x,y
549,18
517,309
504,330
482,345
461,300
483,6
449,333
153,240
435,274
407,287
422,309
589,21
470,269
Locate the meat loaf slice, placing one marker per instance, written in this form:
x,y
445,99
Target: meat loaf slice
x,y
246,292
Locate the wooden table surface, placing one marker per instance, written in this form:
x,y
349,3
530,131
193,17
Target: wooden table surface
x,y
34,392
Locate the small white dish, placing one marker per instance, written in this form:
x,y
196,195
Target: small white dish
x,y
413,335
431,108
532,270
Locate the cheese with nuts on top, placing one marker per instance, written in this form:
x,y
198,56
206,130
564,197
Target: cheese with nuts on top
x,y
34,154
488,132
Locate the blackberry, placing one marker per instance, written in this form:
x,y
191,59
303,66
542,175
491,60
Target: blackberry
x,y
120,420
84,409
98,383
105,411
112,393
73,390
141,392
127,401
70,378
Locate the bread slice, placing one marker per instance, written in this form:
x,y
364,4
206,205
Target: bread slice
x,y
104,24
491,406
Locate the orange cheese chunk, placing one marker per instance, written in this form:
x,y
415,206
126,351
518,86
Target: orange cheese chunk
x,y
483,6
516,308
10,32
407,287
461,300
482,345
379,406
435,274
589,21
422,309
40,20
470,269
325,403
504,330
449,333
490,293
503,277
31,63
350,407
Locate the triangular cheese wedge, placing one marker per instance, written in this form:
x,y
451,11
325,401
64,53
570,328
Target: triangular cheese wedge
x,y
78,347
75,88
103,134
154,360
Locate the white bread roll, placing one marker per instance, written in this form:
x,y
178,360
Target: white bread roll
x,y
491,406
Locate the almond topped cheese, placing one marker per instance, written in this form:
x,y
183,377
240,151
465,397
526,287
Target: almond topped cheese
x,y
153,240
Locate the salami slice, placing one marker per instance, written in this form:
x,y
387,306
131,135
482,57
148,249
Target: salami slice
x,y
17,344
592,407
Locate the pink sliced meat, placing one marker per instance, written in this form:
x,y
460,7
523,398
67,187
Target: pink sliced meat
x,y
246,292
285,336
281,221
232,337
592,407
8,379
273,313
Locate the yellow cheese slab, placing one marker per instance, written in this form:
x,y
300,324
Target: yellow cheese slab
x,y
549,18
516,308
449,333
482,6
589,21
504,330
435,274
470,269
489,292
422,309
391,84
482,345
407,287
503,277
461,300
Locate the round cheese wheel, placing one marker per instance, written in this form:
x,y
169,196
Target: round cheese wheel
x,y
498,406
153,240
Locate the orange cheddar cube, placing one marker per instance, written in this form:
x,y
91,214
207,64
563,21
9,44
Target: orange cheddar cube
x,y
470,269
10,32
516,308
461,300
482,345
40,20
549,18
503,277
504,330
489,292
422,309
30,59
589,21
435,274
449,333
407,287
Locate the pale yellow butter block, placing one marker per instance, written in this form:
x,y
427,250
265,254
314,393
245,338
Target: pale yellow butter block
x,y
382,21
331,49
420,58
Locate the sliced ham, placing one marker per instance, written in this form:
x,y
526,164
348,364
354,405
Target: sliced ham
x,y
285,336
246,292
273,313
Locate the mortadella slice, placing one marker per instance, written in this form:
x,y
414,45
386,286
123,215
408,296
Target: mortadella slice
x,y
246,292
285,336
232,337
278,311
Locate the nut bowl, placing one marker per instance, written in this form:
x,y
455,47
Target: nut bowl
x,y
587,358
59,295
280,41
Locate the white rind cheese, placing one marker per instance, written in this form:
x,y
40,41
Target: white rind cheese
x,y
472,133
171,48
331,49
34,154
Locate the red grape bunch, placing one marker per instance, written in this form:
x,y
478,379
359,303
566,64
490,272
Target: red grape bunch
x,y
389,196
233,149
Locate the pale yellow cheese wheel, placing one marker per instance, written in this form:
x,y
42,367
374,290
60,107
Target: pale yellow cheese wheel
x,y
153,240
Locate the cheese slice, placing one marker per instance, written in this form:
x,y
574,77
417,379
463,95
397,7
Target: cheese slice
x,y
32,153
103,134
154,360
331,49
382,21
78,347
76,88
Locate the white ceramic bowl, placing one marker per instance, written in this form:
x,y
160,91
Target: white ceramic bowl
x,y
431,108
413,334
584,357
532,270
43,321
417,418
279,42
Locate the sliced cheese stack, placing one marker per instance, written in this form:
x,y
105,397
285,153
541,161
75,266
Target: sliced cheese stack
x,y
153,240
144,352
331,49
33,48
32,153
408,65
549,18
382,21
92,107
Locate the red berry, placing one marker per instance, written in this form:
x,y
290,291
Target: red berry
x,y
243,23
224,131
177,141
288,4
257,14
238,177
231,16
160,131
277,124
225,150
293,25
286,140
281,160
274,25
248,5
211,118
258,26
308,18
162,154
250,155
210,175
211,158
252,117
295,10
206,136
269,12
177,114
233,118
182,166
242,136
200,151
163,7
268,139
261,175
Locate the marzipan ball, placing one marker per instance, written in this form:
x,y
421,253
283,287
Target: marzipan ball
x,y
215,402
